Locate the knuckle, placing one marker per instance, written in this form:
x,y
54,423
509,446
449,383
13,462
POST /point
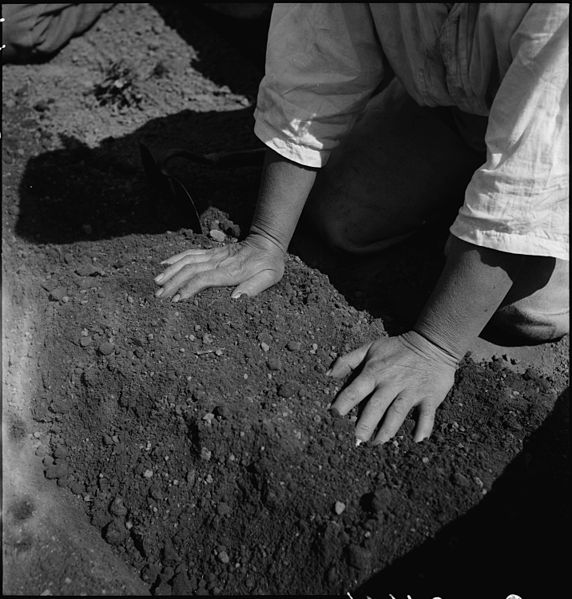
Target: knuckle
x,y
401,407
364,429
367,378
187,269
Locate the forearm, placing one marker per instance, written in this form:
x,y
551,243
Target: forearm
x,y
284,188
472,286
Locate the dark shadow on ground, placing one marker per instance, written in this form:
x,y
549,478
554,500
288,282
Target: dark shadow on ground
x,y
515,541
77,193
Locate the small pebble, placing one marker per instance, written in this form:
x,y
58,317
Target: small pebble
x,y
265,347
294,345
223,557
358,557
222,412
200,395
106,348
287,389
85,341
339,507
113,535
274,363
148,473
58,294
217,235
86,270
461,480
206,454
381,499
61,451
117,508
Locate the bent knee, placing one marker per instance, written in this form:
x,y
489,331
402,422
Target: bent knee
x,y
346,236
337,235
513,325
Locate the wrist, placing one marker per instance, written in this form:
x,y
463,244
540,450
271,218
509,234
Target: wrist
x,y
421,344
266,241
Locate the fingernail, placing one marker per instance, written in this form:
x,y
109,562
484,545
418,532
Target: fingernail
x,y
329,372
239,295
176,298
159,292
335,412
159,278
359,442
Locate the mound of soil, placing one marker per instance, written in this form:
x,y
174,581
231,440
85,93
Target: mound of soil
x,y
198,434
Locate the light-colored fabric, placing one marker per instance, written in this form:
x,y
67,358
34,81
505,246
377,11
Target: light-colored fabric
x,y
504,61
32,31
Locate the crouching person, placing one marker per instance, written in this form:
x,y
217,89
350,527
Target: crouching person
x,y
472,117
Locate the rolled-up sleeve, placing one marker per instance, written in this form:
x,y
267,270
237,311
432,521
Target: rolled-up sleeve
x,y
517,202
323,63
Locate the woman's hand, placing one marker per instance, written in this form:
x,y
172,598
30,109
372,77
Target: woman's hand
x,y
252,265
395,375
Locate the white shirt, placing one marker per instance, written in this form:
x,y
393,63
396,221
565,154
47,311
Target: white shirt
x,y
507,61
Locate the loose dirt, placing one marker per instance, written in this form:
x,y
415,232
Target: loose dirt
x,y
195,438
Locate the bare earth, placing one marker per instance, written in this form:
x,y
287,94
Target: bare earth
x,y
157,448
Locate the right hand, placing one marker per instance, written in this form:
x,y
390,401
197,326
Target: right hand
x,y
253,265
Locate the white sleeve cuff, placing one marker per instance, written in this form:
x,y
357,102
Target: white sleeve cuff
x,y
512,243
292,151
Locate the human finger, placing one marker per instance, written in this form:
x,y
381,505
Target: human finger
x,y
203,280
425,422
193,252
362,386
347,363
188,272
257,284
373,412
175,267
394,417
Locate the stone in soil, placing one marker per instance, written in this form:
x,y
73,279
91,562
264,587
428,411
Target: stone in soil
x,y
339,507
358,557
294,345
58,294
274,363
106,348
381,499
182,585
217,235
115,533
288,389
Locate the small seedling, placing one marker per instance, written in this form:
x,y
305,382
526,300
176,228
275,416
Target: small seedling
x,y
119,87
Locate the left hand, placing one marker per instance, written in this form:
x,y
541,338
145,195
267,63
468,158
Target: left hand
x,y
396,375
